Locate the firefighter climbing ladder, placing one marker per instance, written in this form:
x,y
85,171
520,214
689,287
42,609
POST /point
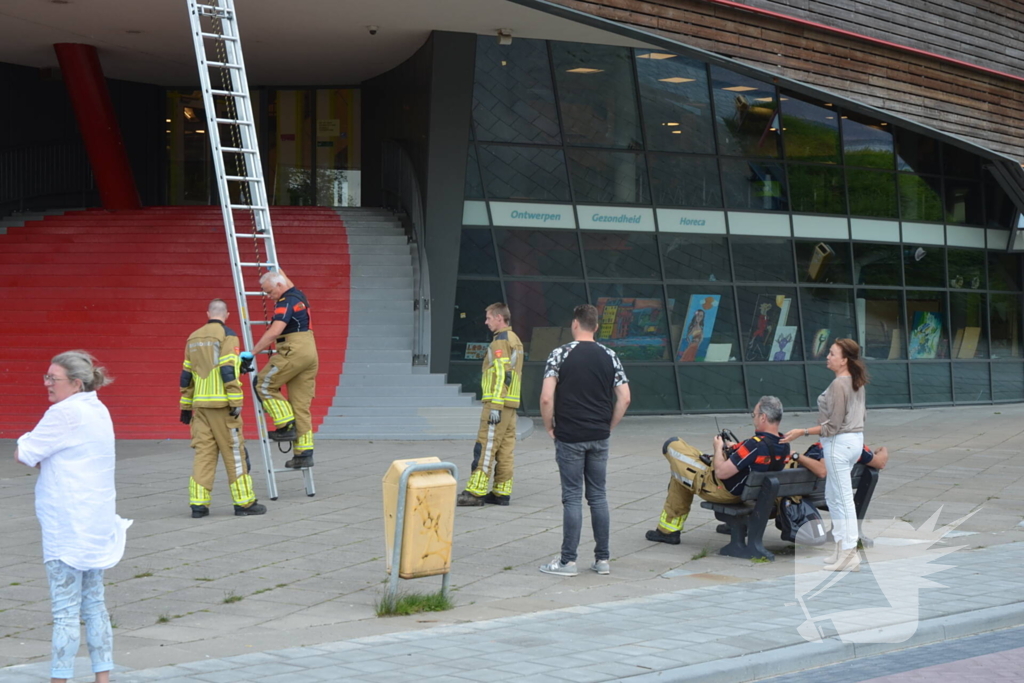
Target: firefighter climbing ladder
x,y
243,195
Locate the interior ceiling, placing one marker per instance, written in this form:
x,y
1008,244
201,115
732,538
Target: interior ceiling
x,y
298,42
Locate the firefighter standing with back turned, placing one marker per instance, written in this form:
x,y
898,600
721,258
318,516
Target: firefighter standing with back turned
x,y
294,366
496,442
211,402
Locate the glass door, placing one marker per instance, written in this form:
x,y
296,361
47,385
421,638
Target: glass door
x,y
337,149
189,165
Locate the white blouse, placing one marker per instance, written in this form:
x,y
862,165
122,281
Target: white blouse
x,y
75,496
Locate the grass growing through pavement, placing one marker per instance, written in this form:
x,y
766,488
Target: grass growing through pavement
x,y
413,603
701,555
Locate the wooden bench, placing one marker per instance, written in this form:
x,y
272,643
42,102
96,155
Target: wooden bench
x,y
747,520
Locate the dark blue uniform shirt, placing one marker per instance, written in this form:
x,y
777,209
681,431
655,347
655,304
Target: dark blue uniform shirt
x,y
293,309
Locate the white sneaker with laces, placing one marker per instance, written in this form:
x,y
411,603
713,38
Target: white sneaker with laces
x,y
601,567
556,567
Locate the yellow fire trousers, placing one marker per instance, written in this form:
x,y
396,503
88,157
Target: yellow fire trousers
x,y
215,432
494,450
689,476
294,366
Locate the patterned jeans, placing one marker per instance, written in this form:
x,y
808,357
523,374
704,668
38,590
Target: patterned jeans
x,y
76,595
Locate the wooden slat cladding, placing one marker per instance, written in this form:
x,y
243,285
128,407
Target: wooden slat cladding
x,y
984,108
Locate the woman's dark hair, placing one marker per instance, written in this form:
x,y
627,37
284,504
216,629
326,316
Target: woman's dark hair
x,y
694,323
854,363
81,366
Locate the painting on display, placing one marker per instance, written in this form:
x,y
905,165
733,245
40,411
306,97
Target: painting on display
x,y
634,328
925,335
698,327
767,313
819,344
783,345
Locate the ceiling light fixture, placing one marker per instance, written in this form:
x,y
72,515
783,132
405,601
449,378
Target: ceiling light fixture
x,y
584,70
167,120
656,55
676,79
740,88
671,123
677,132
883,122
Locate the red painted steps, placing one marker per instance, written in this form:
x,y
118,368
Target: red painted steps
x,y
130,286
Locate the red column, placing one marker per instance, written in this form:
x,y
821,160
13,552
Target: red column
x,y
83,78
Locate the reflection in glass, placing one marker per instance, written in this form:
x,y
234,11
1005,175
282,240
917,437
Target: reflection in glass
x,y
675,102
872,193
966,268
474,185
632,321
746,114
711,387
290,119
1000,211
690,181
512,96
810,130
524,173
867,142
877,264
1005,314
476,253
823,262
779,379
702,320
468,328
827,316
338,155
931,383
609,177
654,387
1004,271
542,313
695,257
621,255
924,265
539,252
816,189
920,198
971,382
767,259
968,315
928,338
889,385
917,153
769,324
754,185
596,95
882,331
964,202
533,377
468,375
959,163
1007,381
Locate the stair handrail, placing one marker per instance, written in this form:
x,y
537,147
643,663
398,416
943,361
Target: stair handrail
x,y
49,169
401,193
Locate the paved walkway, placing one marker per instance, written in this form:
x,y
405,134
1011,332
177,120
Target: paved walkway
x,y
310,571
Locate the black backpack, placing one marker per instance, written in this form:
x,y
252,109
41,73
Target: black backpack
x,y
800,522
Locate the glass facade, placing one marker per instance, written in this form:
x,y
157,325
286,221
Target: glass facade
x,y
728,232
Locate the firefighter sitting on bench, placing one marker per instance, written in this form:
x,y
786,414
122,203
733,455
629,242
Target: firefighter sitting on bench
x,y
722,480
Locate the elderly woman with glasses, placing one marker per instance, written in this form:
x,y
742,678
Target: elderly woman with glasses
x,y
73,448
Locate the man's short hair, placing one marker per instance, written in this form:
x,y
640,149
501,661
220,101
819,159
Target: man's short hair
x,y
586,316
501,310
217,308
771,408
273,277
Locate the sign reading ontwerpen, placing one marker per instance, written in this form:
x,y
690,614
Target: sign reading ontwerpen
x,y
523,215
693,221
615,218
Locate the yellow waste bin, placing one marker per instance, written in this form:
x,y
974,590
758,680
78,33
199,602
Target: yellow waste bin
x,y
429,518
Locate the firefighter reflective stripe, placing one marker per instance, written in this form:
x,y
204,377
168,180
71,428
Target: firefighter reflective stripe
x,y
504,488
673,524
304,443
197,494
211,369
280,411
241,491
493,381
477,484
501,376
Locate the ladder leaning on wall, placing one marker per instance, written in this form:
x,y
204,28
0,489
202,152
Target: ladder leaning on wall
x,y
240,184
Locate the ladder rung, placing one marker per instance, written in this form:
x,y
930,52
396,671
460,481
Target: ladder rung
x,y
224,65
239,150
289,469
228,93
213,11
234,122
259,322
243,178
268,266
260,293
254,235
218,36
247,207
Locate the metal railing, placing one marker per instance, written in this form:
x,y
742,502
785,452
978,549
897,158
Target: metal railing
x,y
401,193
32,173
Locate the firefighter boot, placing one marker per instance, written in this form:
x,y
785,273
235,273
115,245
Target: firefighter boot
x,y
661,537
199,511
254,509
286,433
300,460
467,499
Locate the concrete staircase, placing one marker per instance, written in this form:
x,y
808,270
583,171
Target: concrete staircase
x,y
381,395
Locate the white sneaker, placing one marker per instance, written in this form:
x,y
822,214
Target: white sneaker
x,y
601,567
556,567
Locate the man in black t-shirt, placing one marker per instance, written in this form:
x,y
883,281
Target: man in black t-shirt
x,y
584,395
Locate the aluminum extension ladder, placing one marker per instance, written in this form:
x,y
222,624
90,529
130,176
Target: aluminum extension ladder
x,y
243,193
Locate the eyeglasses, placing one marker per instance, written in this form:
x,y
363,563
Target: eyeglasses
x,y
50,379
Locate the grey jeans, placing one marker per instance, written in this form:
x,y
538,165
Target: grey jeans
x,y
578,463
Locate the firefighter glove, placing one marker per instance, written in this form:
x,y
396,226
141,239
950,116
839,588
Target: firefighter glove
x,y
494,418
186,417
246,366
236,411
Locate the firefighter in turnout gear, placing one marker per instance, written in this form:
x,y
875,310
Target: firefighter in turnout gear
x,y
501,385
211,402
294,366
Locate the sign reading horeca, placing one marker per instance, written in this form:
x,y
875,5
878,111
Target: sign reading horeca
x,y
523,215
615,218
692,221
